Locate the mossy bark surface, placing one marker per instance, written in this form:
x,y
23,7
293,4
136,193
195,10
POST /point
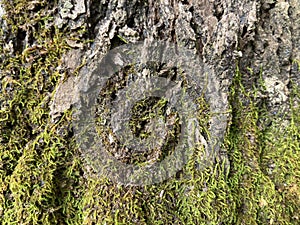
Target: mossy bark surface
x,y
48,53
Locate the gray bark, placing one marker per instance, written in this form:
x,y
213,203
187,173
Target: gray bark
x,y
261,37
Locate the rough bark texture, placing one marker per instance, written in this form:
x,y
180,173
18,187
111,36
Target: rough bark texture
x,y
259,37
262,36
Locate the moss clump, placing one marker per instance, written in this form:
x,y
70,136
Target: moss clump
x,y
264,159
39,164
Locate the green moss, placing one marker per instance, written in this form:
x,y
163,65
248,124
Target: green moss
x,y
44,180
264,163
297,61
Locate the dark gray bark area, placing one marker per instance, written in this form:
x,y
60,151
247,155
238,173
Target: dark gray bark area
x,y
266,32
261,37
271,48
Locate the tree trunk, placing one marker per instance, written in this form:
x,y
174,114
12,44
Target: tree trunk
x,y
245,60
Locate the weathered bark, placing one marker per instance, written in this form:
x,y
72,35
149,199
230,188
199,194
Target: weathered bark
x,y
261,37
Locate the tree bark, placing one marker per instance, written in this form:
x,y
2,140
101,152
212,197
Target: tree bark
x,y
261,38
250,52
